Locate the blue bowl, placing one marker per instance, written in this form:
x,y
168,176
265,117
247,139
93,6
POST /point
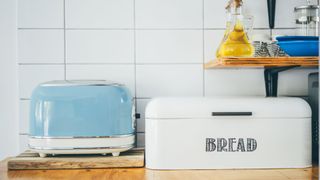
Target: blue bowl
x,y
297,38
300,48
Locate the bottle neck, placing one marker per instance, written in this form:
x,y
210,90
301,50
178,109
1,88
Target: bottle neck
x,y
236,10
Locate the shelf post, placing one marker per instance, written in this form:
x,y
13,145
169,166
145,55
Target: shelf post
x,y
271,79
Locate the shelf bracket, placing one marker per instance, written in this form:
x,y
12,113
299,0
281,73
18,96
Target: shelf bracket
x,y
271,79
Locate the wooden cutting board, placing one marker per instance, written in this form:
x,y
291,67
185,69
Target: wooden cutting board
x,y
31,160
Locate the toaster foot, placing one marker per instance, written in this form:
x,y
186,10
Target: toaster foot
x,y
115,154
42,155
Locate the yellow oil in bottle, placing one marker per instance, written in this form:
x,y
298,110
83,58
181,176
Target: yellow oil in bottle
x,y
235,43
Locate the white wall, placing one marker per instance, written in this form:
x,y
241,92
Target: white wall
x,y
8,80
155,47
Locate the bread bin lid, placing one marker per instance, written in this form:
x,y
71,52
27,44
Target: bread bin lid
x,y
79,83
209,107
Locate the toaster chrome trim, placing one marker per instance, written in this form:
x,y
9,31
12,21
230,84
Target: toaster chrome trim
x,y
82,148
79,83
80,137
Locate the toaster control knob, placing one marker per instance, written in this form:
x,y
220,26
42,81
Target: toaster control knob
x,y
137,115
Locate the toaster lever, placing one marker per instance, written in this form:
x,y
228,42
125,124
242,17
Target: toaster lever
x,y
231,114
137,115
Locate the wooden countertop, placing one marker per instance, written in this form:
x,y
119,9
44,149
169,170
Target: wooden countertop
x,y
142,173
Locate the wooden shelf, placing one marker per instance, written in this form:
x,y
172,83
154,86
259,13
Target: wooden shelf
x,y
262,62
272,67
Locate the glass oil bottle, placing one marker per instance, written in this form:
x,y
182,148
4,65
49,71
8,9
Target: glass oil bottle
x,y
236,41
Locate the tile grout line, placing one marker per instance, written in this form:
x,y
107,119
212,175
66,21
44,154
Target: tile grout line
x,y
144,29
203,51
98,63
134,49
18,80
64,40
39,28
24,99
137,98
26,64
135,70
24,134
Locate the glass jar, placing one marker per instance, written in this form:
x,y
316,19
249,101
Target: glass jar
x,y
307,20
236,41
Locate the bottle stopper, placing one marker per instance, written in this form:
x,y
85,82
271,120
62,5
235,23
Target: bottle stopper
x,y
235,3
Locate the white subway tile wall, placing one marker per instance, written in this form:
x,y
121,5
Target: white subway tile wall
x,y
282,32
212,40
141,106
122,73
24,116
223,82
294,82
41,46
164,14
31,75
40,13
100,46
23,142
169,80
140,139
155,47
214,14
99,13
169,46
259,10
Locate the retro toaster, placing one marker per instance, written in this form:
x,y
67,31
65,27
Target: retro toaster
x,y
81,117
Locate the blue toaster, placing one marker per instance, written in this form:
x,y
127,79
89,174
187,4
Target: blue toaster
x,y
81,117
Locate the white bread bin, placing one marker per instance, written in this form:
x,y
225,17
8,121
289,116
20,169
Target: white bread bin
x,y
225,133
